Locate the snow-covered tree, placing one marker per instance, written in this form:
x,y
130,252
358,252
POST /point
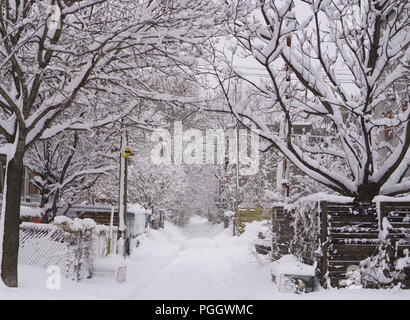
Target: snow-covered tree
x,y
65,167
343,67
55,55
153,186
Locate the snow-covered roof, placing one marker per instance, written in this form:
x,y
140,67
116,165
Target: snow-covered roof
x,y
30,212
138,209
320,196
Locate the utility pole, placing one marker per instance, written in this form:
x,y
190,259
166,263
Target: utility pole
x,y
282,177
122,212
237,166
110,232
237,176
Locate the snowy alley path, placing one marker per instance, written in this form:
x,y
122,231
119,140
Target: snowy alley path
x,y
205,266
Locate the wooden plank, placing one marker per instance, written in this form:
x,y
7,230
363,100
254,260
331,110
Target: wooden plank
x,y
353,248
347,257
337,274
337,264
356,241
354,235
363,224
353,229
396,204
353,219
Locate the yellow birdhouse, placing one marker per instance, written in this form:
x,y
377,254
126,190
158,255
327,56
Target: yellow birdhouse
x,y
127,152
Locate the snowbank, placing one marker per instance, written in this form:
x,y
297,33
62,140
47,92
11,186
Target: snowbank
x,y
289,264
252,230
111,261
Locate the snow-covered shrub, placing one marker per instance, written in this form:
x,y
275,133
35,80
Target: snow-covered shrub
x,y
378,270
229,214
80,235
305,244
401,264
228,218
384,269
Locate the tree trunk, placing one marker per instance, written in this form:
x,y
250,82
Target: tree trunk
x,y
11,220
367,192
226,222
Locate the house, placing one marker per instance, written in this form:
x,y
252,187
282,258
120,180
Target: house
x,y
29,192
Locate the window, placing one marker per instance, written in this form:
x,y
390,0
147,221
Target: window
x,y
388,131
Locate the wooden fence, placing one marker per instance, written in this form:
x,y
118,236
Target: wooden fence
x,y
280,225
246,215
340,235
337,235
282,232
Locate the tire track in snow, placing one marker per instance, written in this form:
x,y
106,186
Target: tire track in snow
x,y
169,264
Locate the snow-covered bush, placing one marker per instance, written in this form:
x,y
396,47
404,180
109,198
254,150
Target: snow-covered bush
x,y
80,235
378,270
306,243
383,269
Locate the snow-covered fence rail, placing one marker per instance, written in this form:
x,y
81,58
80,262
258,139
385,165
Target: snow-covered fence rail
x,y
339,236
73,245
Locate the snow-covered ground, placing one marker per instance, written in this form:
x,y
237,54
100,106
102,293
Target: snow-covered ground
x,y
200,261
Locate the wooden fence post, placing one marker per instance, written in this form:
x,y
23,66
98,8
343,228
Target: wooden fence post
x,y
324,242
275,235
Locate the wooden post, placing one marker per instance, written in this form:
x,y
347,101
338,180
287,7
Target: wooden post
x,y
274,230
110,233
324,242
